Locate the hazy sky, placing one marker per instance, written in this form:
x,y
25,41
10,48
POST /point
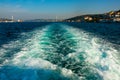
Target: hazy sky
x,y
38,9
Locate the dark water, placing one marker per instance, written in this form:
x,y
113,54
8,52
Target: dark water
x,y
59,51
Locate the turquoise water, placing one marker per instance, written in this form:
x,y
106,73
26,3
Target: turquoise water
x,y
59,52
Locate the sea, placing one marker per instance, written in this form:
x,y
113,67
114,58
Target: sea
x,y
59,51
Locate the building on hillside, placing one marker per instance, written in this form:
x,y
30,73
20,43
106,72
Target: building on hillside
x,y
88,18
19,20
116,19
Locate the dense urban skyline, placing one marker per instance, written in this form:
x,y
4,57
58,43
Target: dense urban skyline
x,y
49,9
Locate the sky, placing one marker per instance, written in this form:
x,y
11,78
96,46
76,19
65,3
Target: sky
x,y
49,9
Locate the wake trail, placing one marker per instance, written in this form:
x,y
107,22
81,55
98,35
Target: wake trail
x,y
59,52
58,46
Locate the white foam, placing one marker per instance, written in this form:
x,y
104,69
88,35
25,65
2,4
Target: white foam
x,y
94,49
31,57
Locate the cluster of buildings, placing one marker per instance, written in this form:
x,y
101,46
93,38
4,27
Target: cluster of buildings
x,y
113,16
9,20
5,20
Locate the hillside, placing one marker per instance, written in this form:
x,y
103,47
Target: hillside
x,y
112,16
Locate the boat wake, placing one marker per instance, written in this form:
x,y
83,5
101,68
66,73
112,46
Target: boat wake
x,y
59,52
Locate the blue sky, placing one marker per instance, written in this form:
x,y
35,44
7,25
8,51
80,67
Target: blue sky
x,y
37,9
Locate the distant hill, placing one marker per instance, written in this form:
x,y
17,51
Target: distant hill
x,y
106,17
42,20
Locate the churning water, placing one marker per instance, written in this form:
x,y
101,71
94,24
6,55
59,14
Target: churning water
x,y
58,52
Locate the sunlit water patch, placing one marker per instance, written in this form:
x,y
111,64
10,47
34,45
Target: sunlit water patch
x,y
59,52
